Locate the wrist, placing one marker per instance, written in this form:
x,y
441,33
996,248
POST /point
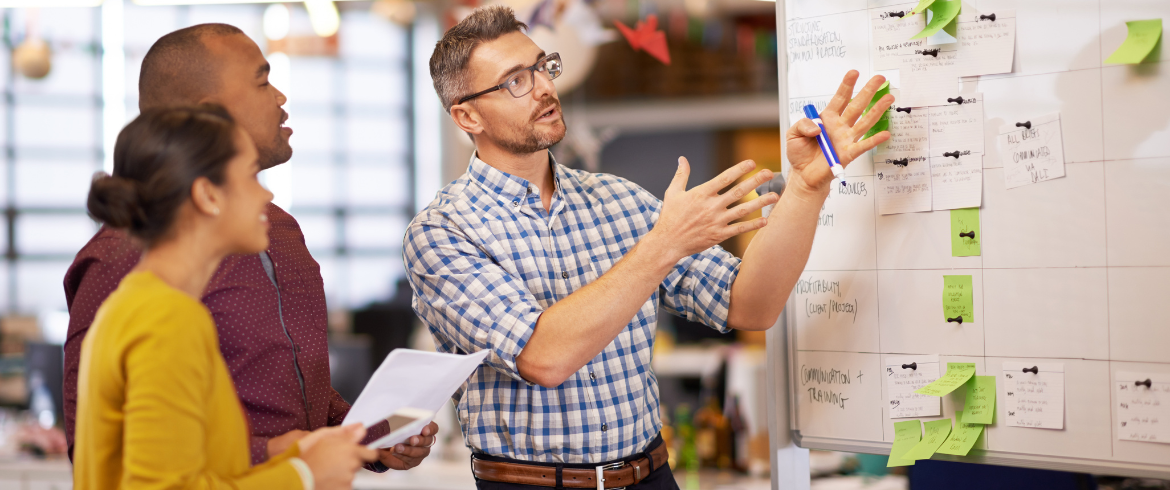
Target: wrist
x,y
800,188
659,250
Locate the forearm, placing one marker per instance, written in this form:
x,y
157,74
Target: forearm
x,y
577,328
775,258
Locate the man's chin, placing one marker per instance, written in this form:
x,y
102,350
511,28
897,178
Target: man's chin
x,y
277,156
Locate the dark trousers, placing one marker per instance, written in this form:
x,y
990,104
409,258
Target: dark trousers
x,y
660,479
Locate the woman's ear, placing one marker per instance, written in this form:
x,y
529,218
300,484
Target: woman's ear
x,y
467,118
207,197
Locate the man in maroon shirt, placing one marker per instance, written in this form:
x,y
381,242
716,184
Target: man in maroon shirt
x,y
269,308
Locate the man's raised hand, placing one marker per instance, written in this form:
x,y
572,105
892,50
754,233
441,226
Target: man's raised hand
x,y
695,220
846,126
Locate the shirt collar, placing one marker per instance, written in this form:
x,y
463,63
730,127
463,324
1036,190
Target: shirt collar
x,y
509,187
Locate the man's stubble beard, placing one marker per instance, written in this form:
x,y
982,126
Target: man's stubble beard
x,y
527,140
280,152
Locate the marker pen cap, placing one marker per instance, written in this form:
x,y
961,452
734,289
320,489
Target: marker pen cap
x,y
810,111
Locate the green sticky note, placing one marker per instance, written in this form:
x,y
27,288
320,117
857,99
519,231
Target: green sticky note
x,y
942,12
958,299
953,28
962,438
965,232
936,434
957,374
906,436
884,122
921,7
1139,43
980,405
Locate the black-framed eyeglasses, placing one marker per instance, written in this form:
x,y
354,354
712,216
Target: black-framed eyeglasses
x,y
520,83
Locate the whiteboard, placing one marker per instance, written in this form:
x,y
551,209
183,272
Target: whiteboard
x,y
1073,270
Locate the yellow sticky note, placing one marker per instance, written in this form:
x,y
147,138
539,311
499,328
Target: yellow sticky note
x,y
957,374
936,433
958,299
980,404
962,438
906,436
942,13
965,232
1142,39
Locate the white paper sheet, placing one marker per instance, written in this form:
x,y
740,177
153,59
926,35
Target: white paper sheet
x,y
891,35
1031,155
903,183
412,379
956,182
957,126
986,46
902,380
908,133
1143,412
929,80
1034,400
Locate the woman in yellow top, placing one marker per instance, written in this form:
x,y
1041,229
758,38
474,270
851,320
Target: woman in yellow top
x,y
157,407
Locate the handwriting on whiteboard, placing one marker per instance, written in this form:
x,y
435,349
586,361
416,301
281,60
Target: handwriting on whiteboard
x,y
827,384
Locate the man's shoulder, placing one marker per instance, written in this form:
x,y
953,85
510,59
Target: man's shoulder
x,y
460,202
602,188
109,248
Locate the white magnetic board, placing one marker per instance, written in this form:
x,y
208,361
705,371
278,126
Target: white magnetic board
x,y
1074,270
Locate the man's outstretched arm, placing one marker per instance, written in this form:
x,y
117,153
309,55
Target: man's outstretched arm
x,y
573,331
778,253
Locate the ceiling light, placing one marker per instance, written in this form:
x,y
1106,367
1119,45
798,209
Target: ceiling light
x,y
324,17
276,21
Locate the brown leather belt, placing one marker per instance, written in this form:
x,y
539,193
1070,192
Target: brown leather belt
x,y
614,475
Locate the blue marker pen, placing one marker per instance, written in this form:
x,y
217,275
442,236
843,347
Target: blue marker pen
x,y
810,112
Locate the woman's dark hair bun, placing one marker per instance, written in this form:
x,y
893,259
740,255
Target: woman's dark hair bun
x,y
115,201
157,158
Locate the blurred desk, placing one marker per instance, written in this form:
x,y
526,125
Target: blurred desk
x,y
35,474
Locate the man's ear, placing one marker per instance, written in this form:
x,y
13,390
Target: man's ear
x,y
207,197
467,117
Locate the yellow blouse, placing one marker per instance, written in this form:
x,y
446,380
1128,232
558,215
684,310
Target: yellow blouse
x,y
156,404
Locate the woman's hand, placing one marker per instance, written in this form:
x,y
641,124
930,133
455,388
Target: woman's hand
x,y
334,455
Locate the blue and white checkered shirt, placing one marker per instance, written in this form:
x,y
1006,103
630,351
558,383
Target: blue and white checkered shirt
x,y
485,260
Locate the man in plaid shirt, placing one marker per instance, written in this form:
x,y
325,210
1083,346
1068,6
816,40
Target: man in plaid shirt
x,y
560,272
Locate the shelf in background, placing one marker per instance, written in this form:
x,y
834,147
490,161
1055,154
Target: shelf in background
x,y
761,110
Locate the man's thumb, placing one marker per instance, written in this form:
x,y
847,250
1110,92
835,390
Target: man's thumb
x,y
679,182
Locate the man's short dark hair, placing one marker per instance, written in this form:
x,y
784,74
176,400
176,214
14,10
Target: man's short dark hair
x,y
179,68
453,52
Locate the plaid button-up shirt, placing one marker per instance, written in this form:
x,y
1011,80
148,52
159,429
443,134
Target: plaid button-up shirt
x,y
485,260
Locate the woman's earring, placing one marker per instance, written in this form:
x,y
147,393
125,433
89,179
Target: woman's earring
x,y
215,211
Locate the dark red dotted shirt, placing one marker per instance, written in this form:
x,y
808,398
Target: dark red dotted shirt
x,y
264,360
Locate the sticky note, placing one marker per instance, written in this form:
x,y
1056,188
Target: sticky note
x,y
883,123
942,13
963,437
936,434
958,300
906,436
957,374
1034,394
921,7
1143,406
980,405
904,374
1142,38
965,232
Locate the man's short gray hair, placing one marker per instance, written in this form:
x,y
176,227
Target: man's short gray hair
x,y
453,52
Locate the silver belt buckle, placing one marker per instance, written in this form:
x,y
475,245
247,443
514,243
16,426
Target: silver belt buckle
x,y
601,474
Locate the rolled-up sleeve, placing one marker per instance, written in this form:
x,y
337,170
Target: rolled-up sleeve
x,y
468,301
699,286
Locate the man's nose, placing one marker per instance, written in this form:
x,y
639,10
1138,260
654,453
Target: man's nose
x,y
280,98
542,86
